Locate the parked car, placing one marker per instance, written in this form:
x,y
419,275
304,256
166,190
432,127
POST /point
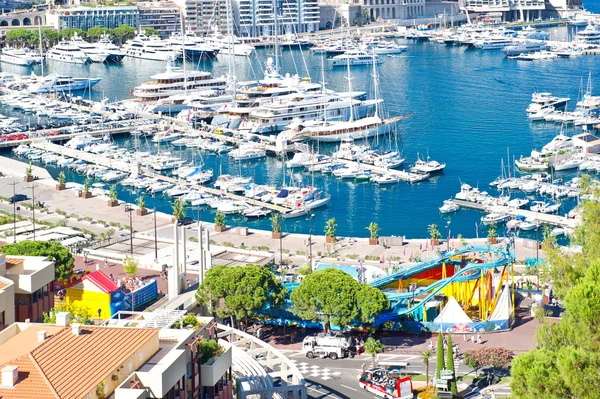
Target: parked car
x,y
17,198
185,221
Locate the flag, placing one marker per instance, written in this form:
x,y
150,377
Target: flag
x,y
189,115
130,92
476,230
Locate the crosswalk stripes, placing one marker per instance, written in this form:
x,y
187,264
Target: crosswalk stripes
x,y
315,371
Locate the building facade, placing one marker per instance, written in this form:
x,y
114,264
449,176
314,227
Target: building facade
x,y
204,16
26,288
162,16
254,18
86,17
524,10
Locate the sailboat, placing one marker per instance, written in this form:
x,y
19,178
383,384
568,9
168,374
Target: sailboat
x,y
356,129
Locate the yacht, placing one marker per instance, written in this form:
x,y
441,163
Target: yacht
x,y
93,51
247,152
165,137
222,43
493,43
541,101
115,54
384,48
590,35
355,57
429,166
449,207
384,179
66,52
60,83
567,164
524,48
192,46
157,93
21,57
150,48
494,218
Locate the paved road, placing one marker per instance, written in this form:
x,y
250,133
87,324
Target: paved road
x,y
337,379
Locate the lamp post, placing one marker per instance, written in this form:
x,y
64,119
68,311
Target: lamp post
x,y
448,238
155,237
14,199
310,219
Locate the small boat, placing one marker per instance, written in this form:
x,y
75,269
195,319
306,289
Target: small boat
x,y
256,212
558,231
449,207
494,218
385,179
317,203
296,213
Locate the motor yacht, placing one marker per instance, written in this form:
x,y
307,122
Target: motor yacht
x,y
60,84
354,58
225,44
66,52
165,137
540,101
115,54
384,179
159,187
191,46
449,207
590,35
21,57
524,48
429,166
96,53
247,152
494,218
150,48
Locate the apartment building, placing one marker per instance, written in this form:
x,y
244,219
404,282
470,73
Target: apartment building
x,y
204,16
26,288
88,17
163,16
256,17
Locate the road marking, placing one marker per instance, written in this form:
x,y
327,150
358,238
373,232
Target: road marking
x,y
345,386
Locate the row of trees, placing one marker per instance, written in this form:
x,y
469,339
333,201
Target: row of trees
x,y
329,295
27,37
566,361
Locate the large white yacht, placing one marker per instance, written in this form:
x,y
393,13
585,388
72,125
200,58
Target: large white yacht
x,y
95,53
150,48
193,46
222,43
115,54
167,91
60,83
355,57
66,52
590,35
22,57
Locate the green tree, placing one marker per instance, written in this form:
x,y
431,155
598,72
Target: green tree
x,y
425,356
219,219
150,32
179,209
123,33
19,37
68,33
112,193
63,260
439,355
29,170
86,185
50,37
330,226
450,366
95,32
371,302
130,266
141,202
239,292
78,313
62,178
373,230
373,347
276,221
328,295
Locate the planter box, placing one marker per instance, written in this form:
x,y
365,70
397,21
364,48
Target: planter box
x,y
141,211
330,239
436,241
276,236
112,204
493,240
220,228
61,187
86,195
372,241
28,179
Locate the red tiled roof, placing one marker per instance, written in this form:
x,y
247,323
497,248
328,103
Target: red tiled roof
x,y
10,262
100,280
31,384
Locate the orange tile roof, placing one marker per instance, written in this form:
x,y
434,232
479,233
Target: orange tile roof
x,y
10,262
75,365
31,383
25,341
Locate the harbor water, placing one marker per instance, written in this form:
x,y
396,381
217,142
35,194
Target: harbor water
x,y
469,112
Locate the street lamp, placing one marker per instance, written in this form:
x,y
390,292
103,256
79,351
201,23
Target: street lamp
x,y
155,237
448,239
14,199
129,208
33,186
310,218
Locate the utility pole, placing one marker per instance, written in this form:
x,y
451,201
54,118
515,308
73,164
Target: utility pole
x,y
14,186
155,238
130,231
33,186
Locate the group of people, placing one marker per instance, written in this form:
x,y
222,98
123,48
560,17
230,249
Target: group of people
x,y
455,348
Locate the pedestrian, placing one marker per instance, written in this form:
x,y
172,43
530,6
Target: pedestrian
x,y
97,266
85,258
110,276
105,262
445,342
478,337
472,338
478,340
464,337
430,345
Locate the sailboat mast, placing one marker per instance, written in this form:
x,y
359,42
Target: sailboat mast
x,y
375,84
276,29
349,77
231,51
183,50
41,49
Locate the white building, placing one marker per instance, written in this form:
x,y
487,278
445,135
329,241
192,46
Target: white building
x,y
255,17
524,10
204,16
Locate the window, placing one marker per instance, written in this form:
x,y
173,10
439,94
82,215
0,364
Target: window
x,y
2,318
22,299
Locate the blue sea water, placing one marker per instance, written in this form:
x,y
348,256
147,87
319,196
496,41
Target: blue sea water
x,y
468,110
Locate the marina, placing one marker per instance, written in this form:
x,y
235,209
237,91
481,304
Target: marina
x,y
370,188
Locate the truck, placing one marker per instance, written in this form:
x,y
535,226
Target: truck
x,y
333,346
388,384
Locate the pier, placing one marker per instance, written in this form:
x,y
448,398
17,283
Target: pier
x,y
134,168
545,218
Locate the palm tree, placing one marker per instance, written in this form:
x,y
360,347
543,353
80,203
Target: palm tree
x,y
372,347
425,356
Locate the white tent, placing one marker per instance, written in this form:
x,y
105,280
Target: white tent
x,y
452,313
503,308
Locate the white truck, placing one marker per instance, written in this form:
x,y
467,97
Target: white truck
x,y
333,346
